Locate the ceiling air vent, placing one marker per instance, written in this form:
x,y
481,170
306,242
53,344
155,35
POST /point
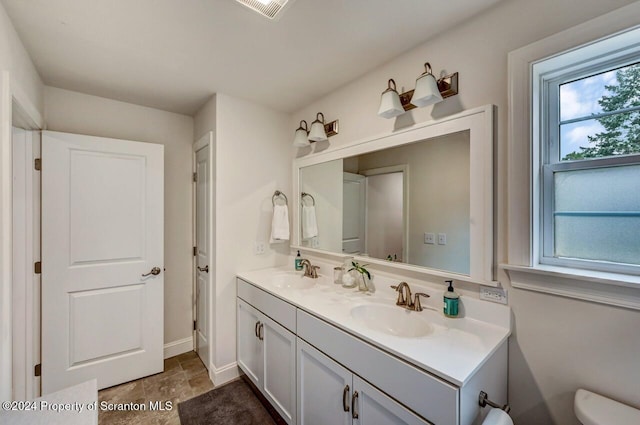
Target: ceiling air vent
x,y
269,8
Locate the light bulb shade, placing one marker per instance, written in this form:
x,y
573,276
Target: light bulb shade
x,y
390,105
426,92
300,140
317,132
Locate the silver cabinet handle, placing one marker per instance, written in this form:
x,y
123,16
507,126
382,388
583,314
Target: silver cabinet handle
x,y
345,398
204,269
154,271
354,409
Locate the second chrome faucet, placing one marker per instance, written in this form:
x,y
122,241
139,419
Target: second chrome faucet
x,y
404,297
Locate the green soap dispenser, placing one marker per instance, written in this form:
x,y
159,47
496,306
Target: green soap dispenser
x,y
298,261
451,300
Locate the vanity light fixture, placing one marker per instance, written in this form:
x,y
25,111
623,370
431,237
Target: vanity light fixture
x,y
390,105
319,131
301,138
428,91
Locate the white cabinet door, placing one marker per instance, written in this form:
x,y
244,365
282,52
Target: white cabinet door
x,y
324,388
279,347
250,355
373,407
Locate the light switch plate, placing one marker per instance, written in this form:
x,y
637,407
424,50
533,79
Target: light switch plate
x,y
259,248
442,238
429,238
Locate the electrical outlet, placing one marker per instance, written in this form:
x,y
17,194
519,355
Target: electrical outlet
x,y
496,295
259,248
429,238
442,238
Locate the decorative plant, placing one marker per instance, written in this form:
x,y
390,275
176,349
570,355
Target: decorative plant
x,y
360,269
363,286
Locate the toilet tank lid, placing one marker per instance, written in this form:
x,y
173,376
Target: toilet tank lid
x,y
594,409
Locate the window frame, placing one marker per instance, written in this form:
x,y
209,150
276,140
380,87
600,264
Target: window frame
x,y
522,267
547,77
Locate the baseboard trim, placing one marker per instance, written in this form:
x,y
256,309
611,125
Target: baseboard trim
x,y
178,347
224,374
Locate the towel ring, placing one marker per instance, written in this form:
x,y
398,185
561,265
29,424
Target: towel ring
x,y
313,200
277,194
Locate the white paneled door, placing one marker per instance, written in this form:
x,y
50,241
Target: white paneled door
x,y
102,260
354,219
204,266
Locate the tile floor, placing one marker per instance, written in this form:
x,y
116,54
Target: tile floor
x,y
184,377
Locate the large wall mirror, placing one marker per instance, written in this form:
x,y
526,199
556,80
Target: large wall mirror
x,y
418,199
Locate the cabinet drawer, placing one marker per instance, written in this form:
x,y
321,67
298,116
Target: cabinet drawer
x,y
272,306
430,397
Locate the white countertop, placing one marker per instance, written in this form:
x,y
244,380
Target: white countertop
x,y
455,349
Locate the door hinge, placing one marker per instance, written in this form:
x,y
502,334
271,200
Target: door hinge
x,y
37,267
194,325
37,370
195,177
37,164
195,251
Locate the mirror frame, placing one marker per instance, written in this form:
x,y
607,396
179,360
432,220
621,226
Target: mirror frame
x,y
480,124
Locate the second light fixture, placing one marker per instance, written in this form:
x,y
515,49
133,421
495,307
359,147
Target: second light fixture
x,y
319,131
428,91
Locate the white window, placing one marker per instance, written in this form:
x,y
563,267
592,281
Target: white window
x,y
588,161
573,202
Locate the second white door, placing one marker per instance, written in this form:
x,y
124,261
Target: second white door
x,y
204,246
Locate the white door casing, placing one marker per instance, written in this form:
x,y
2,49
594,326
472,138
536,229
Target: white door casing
x,y
102,229
203,263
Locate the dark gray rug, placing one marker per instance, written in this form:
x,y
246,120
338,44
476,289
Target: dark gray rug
x,y
230,404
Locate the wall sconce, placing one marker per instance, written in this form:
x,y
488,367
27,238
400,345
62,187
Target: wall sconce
x,y
428,91
390,104
301,138
319,132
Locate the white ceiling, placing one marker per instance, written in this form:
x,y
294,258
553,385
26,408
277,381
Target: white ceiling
x,y
173,54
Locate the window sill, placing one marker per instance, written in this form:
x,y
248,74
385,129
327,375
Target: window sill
x,y
605,288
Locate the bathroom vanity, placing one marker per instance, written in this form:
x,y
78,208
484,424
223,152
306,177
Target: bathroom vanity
x,y
323,354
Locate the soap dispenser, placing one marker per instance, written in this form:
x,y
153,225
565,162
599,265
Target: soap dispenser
x,y
298,262
451,300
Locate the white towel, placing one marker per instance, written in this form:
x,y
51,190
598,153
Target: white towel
x,y
309,222
280,224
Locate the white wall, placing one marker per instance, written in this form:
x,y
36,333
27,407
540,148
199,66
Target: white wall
x,y
558,344
324,183
74,112
438,192
253,159
20,79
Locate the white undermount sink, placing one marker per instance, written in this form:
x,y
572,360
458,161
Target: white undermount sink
x,y
294,280
392,320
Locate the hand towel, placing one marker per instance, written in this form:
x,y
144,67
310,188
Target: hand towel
x,y
280,224
309,222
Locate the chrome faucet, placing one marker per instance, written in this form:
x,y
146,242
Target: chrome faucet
x,y
404,297
309,270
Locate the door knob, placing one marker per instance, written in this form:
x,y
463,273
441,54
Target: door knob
x,y
154,271
204,269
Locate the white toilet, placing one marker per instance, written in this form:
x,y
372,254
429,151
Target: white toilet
x,y
594,409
